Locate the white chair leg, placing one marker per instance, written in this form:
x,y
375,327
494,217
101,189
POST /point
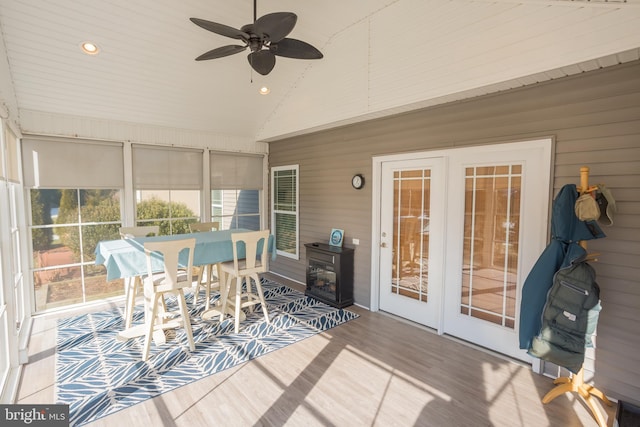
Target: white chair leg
x,y
195,291
225,296
261,296
164,304
186,322
238,303
151,320
205,272
222,279
247,293
207,288
130,291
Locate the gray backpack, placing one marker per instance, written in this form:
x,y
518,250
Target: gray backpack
x,y
569,317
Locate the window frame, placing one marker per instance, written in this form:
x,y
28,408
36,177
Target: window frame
x,y
172,219
232,221
182,176
274,224
82,263
15,295
231,174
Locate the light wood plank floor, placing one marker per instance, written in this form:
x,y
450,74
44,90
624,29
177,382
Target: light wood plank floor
x,y
373,371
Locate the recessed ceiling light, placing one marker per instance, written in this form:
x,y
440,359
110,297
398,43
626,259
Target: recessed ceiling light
x,y
264,90
90,48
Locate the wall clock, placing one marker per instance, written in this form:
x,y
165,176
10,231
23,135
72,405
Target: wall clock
x,y
357,181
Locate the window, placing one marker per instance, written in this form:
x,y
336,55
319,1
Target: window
x,y
19,298
236,186
284,209
217,205
67,225
236,209
168,184
6,341
67,222
171,210
15,207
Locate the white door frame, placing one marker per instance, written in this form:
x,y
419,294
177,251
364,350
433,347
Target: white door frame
x,y
545,180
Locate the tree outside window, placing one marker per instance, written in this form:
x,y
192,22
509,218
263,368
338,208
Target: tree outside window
x,y
171,210
67,225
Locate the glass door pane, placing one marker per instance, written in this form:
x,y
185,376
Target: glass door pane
x,y
411,194
490,252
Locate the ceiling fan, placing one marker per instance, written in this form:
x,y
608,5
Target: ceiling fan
x,y
266,37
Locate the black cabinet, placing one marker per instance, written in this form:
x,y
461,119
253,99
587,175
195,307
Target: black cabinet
x,y
330,274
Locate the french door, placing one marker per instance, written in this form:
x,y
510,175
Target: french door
x,y
411,249
459,231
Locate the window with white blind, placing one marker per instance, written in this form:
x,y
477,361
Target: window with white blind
x,y
236,184
168,184
284,209
75,189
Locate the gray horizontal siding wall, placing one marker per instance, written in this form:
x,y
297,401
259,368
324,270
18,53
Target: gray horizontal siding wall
x,y
595,120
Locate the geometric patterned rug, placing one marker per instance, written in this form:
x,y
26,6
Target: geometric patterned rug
x,y
96,375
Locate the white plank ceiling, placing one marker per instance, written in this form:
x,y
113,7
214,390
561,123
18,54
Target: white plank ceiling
x,y
381,57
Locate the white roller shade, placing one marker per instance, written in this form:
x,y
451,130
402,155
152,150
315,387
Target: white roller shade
x,y
166,168
231,171
56,163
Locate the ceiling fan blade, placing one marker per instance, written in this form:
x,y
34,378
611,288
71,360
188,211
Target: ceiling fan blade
x,y
220,52
262,61
275,25
292,48
223,30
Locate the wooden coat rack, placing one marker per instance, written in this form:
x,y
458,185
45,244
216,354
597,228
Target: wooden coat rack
x,y
575,383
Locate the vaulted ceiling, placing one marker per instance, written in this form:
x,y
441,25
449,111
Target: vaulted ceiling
x,y
380,57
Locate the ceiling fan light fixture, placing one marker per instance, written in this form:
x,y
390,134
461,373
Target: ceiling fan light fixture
x,y
90,48
264,90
